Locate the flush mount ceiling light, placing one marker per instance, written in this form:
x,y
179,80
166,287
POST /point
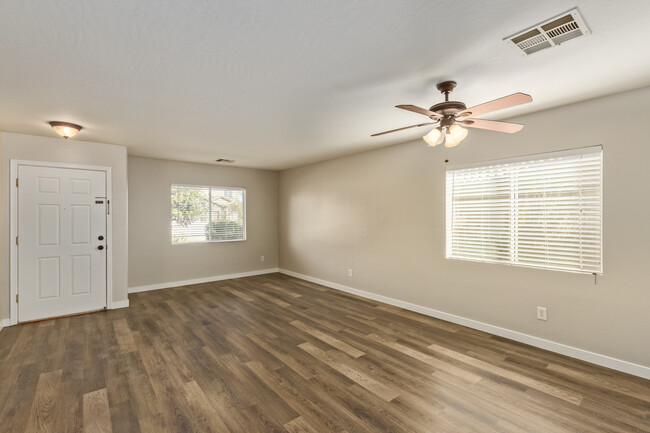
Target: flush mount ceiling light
x,y
452,114
66,129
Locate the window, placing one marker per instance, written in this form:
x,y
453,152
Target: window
x,y
208,214
544,211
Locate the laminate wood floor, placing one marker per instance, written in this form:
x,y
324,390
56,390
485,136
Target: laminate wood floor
x,y
274,353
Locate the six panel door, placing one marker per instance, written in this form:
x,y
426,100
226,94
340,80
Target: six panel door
x,y
61,241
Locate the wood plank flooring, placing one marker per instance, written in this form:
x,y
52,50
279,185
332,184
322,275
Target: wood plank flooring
x,y
277,354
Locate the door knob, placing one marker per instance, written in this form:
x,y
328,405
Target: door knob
x,y
101,247
101,238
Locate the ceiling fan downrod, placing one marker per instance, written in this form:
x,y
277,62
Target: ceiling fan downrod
x,y
446,87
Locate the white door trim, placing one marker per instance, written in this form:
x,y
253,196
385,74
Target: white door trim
x,y
13,232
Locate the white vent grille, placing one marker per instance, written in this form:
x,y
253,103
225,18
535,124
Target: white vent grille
x,y
565,28
550,33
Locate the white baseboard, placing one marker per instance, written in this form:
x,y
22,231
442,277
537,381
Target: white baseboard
x,y
4,322
574,352
119,304
200,280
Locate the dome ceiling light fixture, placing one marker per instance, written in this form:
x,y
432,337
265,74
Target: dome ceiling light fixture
x,y
66,129
453,115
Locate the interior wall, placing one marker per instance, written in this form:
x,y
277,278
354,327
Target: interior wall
x,y
382,214
2,316
33,148
152,257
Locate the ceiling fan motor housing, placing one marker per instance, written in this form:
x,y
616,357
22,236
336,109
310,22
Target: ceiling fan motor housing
x,y
448,108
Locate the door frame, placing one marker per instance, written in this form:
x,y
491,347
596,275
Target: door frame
x,y
13,228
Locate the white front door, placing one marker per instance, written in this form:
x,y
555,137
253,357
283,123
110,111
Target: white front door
x,y
61,241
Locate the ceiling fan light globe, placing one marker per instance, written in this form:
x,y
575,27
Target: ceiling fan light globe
x,y
433,138
457,132
441,139
451,141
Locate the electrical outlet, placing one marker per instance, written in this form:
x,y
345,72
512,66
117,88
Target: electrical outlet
x,y
542,313
350,272
261,258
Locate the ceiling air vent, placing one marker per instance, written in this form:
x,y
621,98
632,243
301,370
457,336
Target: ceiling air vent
x,y
550,33
224,161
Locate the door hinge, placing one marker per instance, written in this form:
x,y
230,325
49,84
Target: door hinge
x,y
108,207
16,182
16,240
16,298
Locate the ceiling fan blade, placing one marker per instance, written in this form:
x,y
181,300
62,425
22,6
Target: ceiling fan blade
x,y
419,110
399,129
497,104
492,125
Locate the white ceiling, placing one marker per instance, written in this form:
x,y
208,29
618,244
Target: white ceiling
x,y
276,84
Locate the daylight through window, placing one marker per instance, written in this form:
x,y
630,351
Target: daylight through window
x,y
544,211
208,213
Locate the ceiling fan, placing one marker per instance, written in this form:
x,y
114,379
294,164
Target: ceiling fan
x,y
452,114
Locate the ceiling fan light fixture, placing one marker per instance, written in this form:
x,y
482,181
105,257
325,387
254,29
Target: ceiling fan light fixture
x,y
66,129
434,137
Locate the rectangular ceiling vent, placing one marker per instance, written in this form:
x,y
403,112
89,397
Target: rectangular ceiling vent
x,y
550,33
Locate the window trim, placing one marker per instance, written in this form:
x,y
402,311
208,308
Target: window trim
x,y
211,241
524,158
528,158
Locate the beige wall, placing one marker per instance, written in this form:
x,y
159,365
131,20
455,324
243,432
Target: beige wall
x,y
2,295
152,257
382,213
33,148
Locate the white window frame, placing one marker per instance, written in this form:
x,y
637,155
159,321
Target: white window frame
x,y
509,161
225,188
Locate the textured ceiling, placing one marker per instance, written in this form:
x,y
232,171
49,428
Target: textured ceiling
x,y
276,84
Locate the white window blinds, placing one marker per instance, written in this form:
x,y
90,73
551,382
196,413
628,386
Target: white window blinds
x,y
208,213
543,212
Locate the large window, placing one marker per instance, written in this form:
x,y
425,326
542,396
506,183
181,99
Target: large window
x,y
208,213
543,211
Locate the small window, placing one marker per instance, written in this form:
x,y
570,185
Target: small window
x,y
208,214
544,211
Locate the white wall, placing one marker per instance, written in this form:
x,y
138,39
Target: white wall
x,y
154,261
33,148
382,213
